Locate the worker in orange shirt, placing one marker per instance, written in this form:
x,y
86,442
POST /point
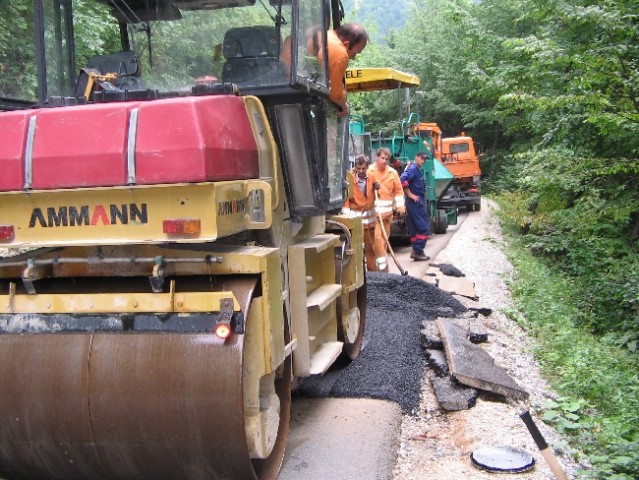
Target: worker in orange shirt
x,y
390,198
361,204
344,44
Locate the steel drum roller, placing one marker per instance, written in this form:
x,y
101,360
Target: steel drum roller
x,y
129,405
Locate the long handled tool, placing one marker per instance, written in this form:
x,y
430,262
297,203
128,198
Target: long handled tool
x,y
390,249
545,450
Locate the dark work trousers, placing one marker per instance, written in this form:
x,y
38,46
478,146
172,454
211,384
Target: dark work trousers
x,y
418,224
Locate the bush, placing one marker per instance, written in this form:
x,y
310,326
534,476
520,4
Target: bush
x,y
598,381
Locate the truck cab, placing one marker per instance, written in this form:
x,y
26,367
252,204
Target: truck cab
x,y
460,157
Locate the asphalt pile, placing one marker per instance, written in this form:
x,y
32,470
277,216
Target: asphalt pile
x,y
392,361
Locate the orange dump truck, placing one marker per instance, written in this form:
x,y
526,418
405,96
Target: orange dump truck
x,y
460,157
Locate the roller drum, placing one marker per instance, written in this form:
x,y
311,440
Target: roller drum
x,y
122,406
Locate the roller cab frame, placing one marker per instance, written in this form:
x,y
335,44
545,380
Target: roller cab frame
x,y
173,255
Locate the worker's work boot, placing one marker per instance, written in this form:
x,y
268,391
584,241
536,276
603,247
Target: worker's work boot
x,y
419,257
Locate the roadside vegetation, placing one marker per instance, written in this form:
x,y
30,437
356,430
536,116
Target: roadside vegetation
x,y
594,373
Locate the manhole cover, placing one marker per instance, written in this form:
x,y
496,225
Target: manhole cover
x,y
502,458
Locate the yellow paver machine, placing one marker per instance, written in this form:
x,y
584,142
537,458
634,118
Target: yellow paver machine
x,y
404,142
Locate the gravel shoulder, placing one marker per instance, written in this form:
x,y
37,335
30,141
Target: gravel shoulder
x,y
436,444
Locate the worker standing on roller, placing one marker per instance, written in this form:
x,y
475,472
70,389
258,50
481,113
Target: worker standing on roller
x,y
418,223
361,204
389,198
343,45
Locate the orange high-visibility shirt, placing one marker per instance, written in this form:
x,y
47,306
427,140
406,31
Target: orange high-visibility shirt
x,y
337,62
337,65
390,193
361,204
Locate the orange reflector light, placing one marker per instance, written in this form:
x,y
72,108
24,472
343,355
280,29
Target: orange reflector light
x,y
222,330
182,226
6,233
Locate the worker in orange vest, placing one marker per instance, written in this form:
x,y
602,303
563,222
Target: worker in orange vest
x,y
390,198
343,45
361,205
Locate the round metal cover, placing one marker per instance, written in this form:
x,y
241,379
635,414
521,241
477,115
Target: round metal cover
x,y
502,458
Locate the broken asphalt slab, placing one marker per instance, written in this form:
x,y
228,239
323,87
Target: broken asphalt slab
x,y
473,366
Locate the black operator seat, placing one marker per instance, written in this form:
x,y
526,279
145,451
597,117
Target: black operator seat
x,y
124,64
252,56
112,77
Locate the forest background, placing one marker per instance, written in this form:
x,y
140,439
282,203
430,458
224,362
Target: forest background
x,y
550,89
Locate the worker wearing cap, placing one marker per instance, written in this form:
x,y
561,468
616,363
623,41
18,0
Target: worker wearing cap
x,y
361,205
389,199
417,219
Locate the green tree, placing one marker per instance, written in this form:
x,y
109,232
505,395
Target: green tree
x,y
17,55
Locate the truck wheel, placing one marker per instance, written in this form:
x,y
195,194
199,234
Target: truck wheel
x,y
477,207
440,222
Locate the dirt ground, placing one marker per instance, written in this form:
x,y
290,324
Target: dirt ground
x,y
436,444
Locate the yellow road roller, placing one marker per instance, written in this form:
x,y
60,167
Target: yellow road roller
x,y
173,253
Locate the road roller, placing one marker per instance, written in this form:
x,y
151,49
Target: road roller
x,y
173,252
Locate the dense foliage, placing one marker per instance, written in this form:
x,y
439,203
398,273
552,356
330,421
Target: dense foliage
x,y
16,50
550,89
598,408
381,16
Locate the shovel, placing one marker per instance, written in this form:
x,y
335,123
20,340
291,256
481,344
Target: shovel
x,y
545,450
